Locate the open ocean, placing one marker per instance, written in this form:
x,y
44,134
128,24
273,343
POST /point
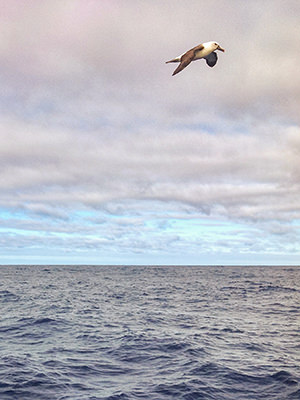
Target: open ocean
x,y
104,332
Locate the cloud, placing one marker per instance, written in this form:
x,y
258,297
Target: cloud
x,y
246,175
93,122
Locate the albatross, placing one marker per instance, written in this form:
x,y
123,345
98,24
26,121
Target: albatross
x,y
203,50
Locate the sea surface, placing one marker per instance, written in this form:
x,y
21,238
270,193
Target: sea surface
x,y
128,332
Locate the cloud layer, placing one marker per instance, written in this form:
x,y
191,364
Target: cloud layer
x,y
105,156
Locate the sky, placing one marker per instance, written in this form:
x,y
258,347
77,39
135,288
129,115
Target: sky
x,y
105,158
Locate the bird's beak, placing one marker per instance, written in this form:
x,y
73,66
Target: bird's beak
x,y
221,49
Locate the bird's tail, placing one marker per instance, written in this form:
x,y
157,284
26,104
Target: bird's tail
x,y
173,60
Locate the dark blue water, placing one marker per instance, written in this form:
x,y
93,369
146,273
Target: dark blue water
x,y
149,333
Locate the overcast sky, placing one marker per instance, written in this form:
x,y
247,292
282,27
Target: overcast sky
x,y
105,158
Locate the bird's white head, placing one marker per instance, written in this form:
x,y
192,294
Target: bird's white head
x,y
214,46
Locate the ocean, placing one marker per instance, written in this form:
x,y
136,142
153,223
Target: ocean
x,y
149,332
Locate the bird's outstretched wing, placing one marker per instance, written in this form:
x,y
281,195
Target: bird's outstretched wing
x,y
211,59
185,60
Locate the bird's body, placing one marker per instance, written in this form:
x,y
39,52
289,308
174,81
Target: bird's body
x,y
204,50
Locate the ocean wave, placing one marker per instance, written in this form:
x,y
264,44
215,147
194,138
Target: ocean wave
x,y
198,333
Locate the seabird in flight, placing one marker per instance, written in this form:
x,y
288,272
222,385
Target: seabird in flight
x,y
204,50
